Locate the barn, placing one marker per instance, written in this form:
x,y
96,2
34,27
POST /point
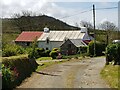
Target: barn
x,y
54,39
27,37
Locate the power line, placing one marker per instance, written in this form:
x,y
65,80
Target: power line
x,y
106,8
88,11
76,14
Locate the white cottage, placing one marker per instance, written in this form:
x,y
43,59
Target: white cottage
x,y
54,39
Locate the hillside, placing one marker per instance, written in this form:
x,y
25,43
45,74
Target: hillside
x,y
33,23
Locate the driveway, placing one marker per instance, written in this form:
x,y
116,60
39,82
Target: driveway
x,y
72,74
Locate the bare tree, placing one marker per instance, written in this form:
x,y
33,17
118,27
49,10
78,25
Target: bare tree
x,y
24,21
86,24
108,26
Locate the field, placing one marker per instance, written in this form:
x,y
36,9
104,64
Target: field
x,y
9,37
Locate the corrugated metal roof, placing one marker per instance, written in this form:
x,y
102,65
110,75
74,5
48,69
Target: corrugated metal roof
x,y
28,36
61,35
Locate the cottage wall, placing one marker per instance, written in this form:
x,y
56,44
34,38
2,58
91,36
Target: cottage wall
x,y
50,45
24,44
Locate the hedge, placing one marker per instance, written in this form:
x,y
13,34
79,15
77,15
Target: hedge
x,y
83,49
16,69
53,54
99,47
113,53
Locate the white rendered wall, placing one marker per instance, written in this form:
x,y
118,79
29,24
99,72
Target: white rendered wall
x,y
50,46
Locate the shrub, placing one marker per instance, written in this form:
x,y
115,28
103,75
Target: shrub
x,y
53,54
40,52
47,53
98,48
55,49
112,53
12,50
83,49
33,53
15,69
6,77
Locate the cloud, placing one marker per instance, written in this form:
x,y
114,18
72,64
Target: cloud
x,y
53,9
9,7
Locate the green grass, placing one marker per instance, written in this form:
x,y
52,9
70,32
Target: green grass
x,y
14,57
9,37
110,74
46,64
44,58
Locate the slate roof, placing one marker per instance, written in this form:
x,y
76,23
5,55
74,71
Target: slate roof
x,y
28,36
61,35
78,42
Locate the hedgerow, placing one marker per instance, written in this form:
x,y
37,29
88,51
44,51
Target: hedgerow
x,y
99,47
15,70
113,53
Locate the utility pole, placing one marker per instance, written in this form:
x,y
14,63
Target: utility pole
x,y
94,30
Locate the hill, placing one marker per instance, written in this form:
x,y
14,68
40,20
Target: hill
x,y
33,23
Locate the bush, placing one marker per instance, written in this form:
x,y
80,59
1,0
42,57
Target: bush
x,y
53,54
47,53
55,49
12,50
15,69
98,48
112,53
83,49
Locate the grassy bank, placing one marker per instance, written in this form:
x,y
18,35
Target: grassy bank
x,y
44,58
110,74
15,69
46,64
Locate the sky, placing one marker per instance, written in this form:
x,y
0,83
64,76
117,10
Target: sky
x,y
69,11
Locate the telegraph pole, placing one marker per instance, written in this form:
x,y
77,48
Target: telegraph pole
x,y
94,30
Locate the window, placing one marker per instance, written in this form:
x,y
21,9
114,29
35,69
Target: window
x,y
28,43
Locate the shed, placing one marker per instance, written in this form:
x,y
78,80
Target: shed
x,y
71,46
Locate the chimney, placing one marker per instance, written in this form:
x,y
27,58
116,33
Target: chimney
x,y
46,30
83,29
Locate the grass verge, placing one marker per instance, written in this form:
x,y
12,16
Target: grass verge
x,y
44,58
46,64
110,74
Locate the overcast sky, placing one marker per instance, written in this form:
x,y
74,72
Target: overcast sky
x,y
69,9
